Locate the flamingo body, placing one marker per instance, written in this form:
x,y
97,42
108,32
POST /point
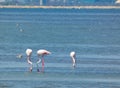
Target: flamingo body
x,y
28,52
43,52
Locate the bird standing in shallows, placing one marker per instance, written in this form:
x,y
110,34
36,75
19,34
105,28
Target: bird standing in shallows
x,y
29,53
73,55
41,53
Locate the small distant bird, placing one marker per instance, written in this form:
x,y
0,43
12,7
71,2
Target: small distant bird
x,y
19,56
73,57
29,53
17,25
21,30
41,53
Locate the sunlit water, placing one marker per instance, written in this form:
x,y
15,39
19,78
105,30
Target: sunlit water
x,y
94,35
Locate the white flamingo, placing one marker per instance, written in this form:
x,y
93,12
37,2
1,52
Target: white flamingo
x,y
29,53
117,1
41,53
73,55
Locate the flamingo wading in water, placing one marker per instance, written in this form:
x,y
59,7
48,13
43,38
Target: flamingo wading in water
x,y
29,53
41,53
73,55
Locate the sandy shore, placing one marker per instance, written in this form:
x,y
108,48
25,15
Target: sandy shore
x,y
65,7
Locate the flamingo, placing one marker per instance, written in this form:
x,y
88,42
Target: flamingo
x,y
117,1
41,53
72,55
28,53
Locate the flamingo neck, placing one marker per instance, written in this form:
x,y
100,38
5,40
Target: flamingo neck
x,y
74,61
39,60
29,61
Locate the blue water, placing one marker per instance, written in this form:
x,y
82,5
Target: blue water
x,y
92,33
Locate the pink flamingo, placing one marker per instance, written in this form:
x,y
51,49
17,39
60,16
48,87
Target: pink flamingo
x,y
28,53
73,55
41,53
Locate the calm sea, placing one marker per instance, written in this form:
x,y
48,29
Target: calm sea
x,y
94,34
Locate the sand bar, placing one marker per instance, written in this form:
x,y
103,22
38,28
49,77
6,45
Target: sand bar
x,y
64,7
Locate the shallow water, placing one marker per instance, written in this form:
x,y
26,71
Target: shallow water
x,y
92,33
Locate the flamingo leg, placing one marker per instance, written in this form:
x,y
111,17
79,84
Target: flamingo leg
x,y
38,68
30,63
31,67
39,60
42,64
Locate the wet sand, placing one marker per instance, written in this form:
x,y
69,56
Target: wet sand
x,y
64,7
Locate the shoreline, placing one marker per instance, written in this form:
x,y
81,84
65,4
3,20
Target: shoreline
x,y
64,7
